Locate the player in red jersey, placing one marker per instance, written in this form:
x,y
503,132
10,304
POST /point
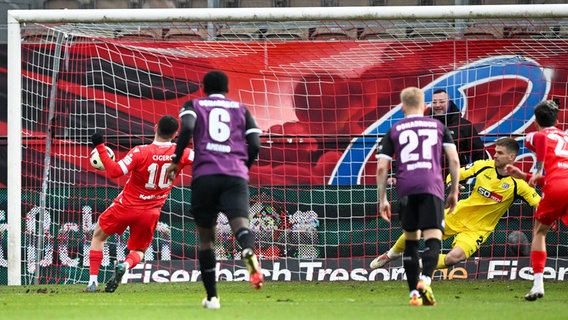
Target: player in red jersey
x,y
551,147
139,204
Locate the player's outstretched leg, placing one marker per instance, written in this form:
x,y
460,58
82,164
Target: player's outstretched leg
x,y
385,258
426,293
214,303
255,273
536,292
394,253
119,271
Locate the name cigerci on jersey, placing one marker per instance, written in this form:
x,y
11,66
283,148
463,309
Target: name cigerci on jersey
x,y
490,195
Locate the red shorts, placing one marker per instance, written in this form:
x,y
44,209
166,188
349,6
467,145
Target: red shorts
x,y
554,203
142,223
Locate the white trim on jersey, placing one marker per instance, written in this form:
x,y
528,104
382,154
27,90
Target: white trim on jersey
x,y
190,112
382,155
253,130
123,167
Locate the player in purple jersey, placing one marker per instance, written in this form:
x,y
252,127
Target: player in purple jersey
x,y
417,143
226,141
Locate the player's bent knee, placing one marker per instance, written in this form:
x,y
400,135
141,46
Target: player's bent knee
x,y
454,257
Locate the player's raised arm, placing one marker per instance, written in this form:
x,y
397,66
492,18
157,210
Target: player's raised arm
x,y
515,172
113,169
187,116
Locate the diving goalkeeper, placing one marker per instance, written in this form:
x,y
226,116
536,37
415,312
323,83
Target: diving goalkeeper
x,y
475,217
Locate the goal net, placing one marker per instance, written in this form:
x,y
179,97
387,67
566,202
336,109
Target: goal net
x,y
323,85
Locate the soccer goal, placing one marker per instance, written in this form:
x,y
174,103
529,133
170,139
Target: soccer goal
x,y
323,84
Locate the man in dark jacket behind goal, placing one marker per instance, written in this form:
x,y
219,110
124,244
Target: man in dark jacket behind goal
x,y
466,138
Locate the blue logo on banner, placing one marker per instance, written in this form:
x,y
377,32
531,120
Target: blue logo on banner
x,y
349,170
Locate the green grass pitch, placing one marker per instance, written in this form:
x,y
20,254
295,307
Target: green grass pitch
x,y
457,299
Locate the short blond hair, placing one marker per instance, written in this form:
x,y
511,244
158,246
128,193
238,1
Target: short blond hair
x,y
412,97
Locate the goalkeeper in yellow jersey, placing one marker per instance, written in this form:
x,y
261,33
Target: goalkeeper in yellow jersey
x,y
475,218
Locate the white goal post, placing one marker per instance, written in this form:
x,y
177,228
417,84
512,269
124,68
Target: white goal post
x,y
64,21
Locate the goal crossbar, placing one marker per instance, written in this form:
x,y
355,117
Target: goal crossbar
x,y
292,14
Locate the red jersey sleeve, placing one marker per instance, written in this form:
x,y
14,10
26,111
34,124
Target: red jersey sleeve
x,y
112,168
132,159
529,141
539,142
187,157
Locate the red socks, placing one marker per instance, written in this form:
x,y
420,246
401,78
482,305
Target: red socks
x,y
95,260
132,258
538,261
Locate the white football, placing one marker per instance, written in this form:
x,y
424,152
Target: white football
x,y
96,160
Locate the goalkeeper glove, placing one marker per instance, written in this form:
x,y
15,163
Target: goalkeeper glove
x,y
97,138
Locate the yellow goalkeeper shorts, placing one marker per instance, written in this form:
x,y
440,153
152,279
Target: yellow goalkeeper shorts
x,y
468,240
